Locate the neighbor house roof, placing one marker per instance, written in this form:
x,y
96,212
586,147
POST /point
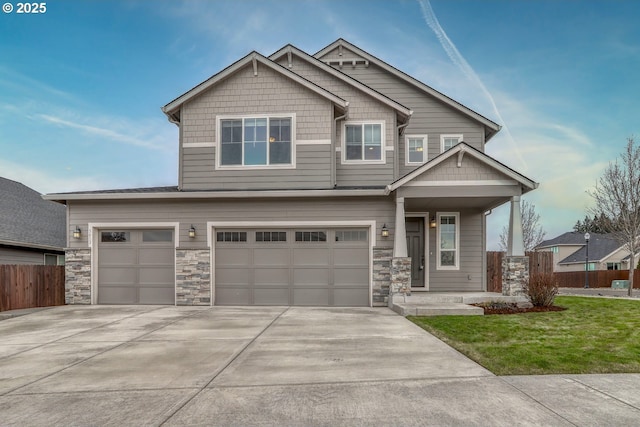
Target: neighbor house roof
x,y
27,220
569,238
172,109
601,246
491,128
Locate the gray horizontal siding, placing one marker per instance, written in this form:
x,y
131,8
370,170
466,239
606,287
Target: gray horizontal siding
x,y
18,256
469,276
198,213
430,116
312,171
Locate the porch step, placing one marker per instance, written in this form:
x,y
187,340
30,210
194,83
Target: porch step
x,y
436,309
459,298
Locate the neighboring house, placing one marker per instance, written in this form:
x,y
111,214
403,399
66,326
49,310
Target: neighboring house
x,y
570,252
32,230
301,179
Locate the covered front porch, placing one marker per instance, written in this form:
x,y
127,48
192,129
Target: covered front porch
x,y
440,222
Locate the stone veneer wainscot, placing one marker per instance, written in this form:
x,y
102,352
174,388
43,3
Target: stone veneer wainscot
x,y
193,277
77,270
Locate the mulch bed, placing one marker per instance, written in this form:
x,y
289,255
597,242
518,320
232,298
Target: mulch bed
x,y
517,310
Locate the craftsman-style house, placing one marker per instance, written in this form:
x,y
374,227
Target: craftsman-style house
x,y
323,179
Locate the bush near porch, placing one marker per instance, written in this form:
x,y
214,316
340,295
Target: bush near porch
x,y
593,335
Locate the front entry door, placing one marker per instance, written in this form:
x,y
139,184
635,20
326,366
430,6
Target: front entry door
x,y
415,248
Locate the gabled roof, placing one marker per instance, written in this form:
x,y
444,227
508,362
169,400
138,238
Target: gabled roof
x,y
570,238
601,246
290,49
173,107
491,128
462,149
27,220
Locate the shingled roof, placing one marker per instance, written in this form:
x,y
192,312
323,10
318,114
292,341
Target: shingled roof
x,y
600,246
26,219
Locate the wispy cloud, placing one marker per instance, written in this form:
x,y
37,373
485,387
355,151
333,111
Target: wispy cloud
x,y
107,133
457,58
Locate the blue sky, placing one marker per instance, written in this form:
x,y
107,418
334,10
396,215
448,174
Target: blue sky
x,y
81,85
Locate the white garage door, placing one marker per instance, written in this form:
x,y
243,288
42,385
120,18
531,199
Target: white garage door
x,y
318,267
136,267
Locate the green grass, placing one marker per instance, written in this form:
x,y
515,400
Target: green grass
x,y
594,335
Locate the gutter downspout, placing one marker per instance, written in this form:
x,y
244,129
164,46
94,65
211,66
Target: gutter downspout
x,y
399,132
333,148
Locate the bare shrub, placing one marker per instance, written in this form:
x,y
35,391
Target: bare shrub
x,y
541,289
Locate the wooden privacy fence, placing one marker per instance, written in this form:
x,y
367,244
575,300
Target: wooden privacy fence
x,y
539,262
597,279
28,286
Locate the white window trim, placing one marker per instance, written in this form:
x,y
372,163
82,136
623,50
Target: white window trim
x,y
459,136
425,149
291,116
456,215
383,148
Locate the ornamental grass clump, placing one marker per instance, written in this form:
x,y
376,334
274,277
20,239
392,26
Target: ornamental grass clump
x,y
541,289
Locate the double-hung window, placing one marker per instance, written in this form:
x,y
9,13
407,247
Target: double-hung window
x,y
449,141
448,241
256,141
416,149
363,142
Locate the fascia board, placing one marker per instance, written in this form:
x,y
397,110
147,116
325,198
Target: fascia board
x,y
186,195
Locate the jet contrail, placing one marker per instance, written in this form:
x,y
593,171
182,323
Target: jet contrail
x,y
457,58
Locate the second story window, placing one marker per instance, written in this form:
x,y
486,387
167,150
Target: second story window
x,y
363,142
416,149
449,141
255,141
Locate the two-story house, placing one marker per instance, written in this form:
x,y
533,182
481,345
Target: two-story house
x,y
302,179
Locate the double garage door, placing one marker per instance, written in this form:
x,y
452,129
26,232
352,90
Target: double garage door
x,y
316,267
319,267
136,267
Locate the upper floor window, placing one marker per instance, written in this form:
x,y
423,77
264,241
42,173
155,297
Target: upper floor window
x,y
363,142
448,141
416,149
255,141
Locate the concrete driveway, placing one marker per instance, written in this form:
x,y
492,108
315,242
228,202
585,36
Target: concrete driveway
x,y
262,366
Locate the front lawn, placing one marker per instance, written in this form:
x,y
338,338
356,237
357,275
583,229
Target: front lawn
x,y
594,335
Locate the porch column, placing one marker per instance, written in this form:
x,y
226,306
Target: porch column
x,y
515,243
400,236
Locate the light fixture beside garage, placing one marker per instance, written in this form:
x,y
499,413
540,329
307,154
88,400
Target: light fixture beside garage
x,y
77,233
432,223
192,232
385,231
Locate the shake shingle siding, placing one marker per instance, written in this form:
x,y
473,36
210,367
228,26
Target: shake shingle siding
x,y
243,94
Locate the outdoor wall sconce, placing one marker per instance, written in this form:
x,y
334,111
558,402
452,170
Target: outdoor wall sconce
x,y
77,232
385,231
432,222
192,232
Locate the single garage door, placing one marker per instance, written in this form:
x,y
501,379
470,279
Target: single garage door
x,y
318,267
136,267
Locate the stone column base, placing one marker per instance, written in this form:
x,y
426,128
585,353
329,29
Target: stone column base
x,y
515,274
193,277
400,278
77,273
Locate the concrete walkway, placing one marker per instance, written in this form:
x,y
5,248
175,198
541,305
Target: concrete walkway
x,y
273,366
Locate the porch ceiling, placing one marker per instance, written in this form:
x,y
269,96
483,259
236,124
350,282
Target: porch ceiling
x,y
431,204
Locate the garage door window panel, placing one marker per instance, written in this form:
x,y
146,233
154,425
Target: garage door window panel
x,y
115,236
311,236
151,236
231,236
271,236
